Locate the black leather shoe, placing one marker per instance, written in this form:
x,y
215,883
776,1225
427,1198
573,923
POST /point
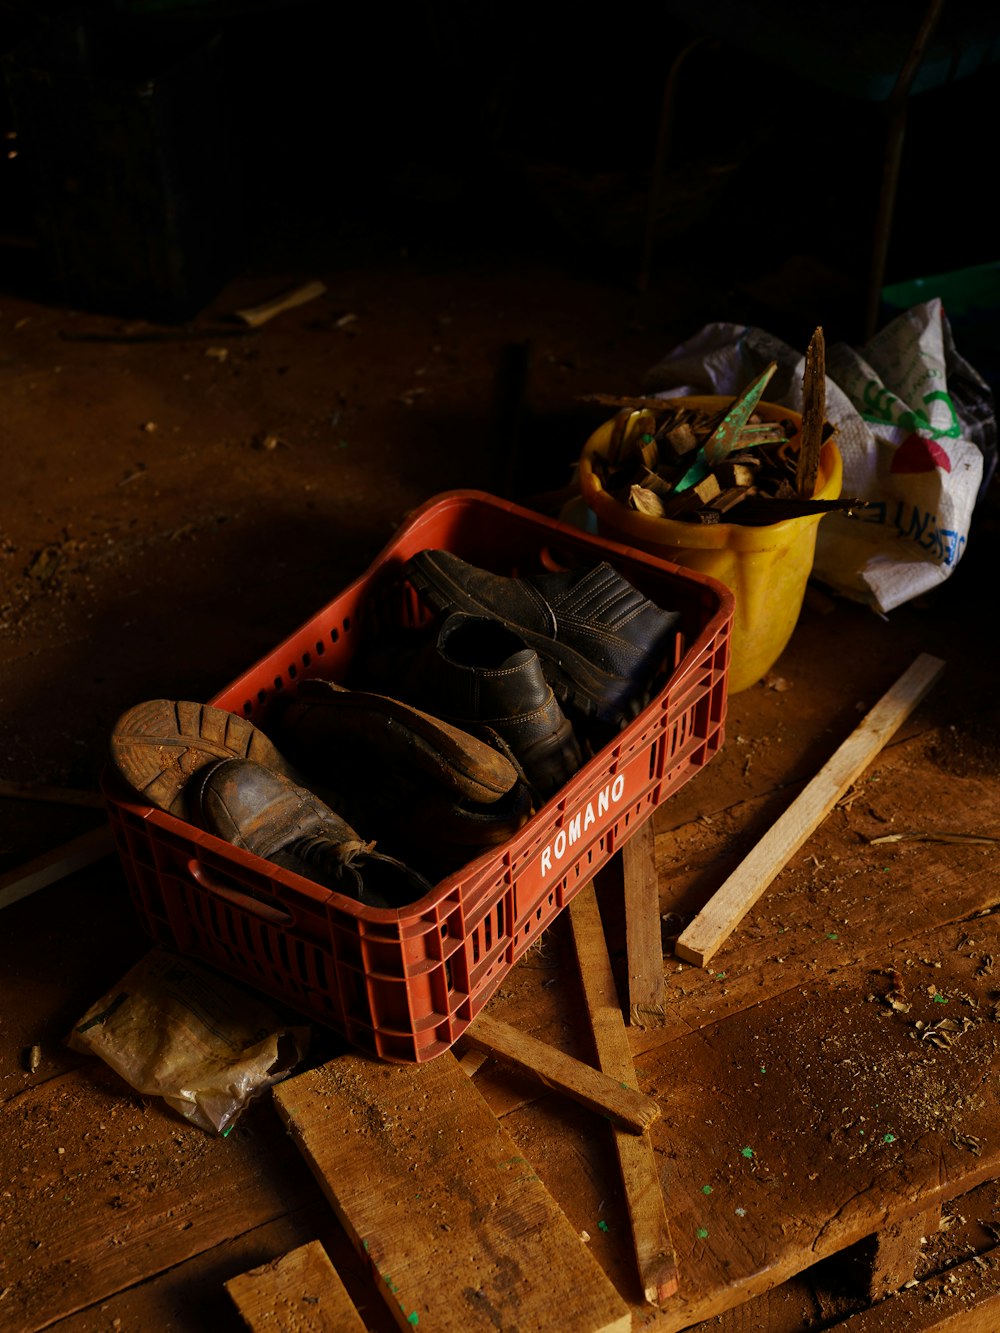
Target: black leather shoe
x,y
253,808
430,792
158,745
600,640
481,676
333,732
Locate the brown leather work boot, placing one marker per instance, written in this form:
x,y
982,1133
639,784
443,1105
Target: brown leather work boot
x,y
158,745
254,809
324,728
430,792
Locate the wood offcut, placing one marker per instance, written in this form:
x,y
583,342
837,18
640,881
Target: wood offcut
x,y
627,1108
460,1233
643,945
55,864
813,416
301,1291
685,461
727,907
654,1251
257,315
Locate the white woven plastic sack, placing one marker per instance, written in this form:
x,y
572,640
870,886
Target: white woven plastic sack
x,y
907,442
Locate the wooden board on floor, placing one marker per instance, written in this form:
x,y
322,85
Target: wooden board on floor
x,y
838,908
300,1290
136,1192
643,949
965,1299
895,1252
654,1252
191,1296
55,864
820,1117
460,1232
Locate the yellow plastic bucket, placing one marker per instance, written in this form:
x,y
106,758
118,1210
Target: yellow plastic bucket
x,y
766,568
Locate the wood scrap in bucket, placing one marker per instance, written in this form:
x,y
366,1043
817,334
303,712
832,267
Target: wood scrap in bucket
x,y
660,463
813,415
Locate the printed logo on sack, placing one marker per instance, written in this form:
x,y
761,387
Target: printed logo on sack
x,y
883,408
575,828
918,454
917,525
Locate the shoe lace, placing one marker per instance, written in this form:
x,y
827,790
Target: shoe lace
x,y
336,859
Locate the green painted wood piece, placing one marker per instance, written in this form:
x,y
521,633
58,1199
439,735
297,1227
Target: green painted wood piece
x,y
725,437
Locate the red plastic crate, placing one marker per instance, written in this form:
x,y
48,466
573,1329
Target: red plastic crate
x,y
405,983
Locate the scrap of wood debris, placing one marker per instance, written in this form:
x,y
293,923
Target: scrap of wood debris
x,y
813,415
55,864
981,839
624,1106
301,1289
296,296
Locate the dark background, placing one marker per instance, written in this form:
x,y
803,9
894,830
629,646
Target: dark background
x,y
446,129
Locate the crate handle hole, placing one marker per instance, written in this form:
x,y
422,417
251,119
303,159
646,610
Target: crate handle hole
x,y
237,897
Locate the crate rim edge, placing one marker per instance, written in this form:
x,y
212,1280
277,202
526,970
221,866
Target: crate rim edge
x,y
727,600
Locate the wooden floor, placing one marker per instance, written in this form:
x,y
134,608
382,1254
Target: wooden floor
x,y
828,1080
829,1128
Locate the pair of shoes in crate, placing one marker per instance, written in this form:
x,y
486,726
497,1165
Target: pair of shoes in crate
x,y
218,771
433,792
599,640
505,651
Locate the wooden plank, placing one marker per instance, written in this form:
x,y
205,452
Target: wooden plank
x,y
55,864
190,1297
138,1193
460,1232
726,908
301,1290
795,1129
965,1299
643,947
654,1252
472,1061
896,1250
37,791
627,1108
781,948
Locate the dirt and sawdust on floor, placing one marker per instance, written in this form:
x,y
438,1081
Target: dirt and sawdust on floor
x,y
209,607
177,504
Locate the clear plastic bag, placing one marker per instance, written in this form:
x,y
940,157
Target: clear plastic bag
x,y
174,1030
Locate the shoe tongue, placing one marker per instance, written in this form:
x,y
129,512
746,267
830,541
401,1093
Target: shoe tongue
x,y
553,586
517,659
481,642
